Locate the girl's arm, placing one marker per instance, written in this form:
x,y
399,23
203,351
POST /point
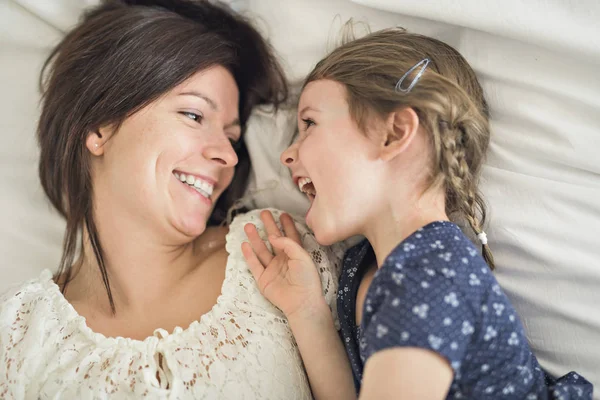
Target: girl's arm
x,y
406,373
288,278
323,353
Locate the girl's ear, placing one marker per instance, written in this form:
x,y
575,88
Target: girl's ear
x,y
401,127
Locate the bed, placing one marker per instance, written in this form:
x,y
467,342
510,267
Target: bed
x,y
538,62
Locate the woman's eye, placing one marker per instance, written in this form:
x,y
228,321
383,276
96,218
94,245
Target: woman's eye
x,y
308,123
193,116
236,144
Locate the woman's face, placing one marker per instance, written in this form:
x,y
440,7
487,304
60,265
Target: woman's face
x,y
167,164
340,160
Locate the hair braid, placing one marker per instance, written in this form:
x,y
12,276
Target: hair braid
x,y
460,180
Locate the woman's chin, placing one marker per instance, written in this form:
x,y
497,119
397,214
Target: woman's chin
x,y
192,227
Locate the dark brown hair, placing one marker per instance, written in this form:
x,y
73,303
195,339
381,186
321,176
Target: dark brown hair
x,y
123,55
447,98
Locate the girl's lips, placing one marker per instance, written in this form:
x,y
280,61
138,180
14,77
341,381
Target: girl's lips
x,y
312,202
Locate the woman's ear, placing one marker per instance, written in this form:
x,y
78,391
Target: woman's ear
x,y
401,127
96,140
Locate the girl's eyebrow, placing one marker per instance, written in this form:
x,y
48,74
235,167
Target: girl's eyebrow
x,y
308,108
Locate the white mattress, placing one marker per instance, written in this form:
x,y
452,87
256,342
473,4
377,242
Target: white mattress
x,y
538,62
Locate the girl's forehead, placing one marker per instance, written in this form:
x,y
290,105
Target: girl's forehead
x,y
323,96
324,90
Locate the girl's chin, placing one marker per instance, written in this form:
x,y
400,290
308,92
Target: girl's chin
x,y
323,237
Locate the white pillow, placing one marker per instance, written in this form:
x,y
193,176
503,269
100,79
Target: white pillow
x,y
30,233
566,26
541,180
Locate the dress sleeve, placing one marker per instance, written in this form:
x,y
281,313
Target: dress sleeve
x,y
418,307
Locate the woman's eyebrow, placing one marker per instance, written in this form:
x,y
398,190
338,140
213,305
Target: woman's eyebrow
x,y
210,101
212,104
235,123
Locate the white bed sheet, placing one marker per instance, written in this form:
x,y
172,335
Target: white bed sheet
x,y
537,62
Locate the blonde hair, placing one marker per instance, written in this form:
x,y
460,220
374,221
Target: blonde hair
x,y
447,98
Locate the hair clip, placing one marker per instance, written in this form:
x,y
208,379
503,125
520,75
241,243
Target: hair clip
x,y
482,238
423,64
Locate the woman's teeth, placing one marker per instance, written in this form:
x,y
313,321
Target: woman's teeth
x,y
306,186
203,187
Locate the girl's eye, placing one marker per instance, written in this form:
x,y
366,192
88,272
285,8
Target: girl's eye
x,y
193,116
308,123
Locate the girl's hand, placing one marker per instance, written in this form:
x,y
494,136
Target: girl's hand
x,y
288,278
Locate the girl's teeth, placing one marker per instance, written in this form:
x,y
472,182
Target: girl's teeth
x,y
190,180
182,178
302,182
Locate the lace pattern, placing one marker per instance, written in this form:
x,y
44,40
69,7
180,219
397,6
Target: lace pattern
x,y
242,348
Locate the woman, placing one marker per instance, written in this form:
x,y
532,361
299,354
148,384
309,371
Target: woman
x,y
141,135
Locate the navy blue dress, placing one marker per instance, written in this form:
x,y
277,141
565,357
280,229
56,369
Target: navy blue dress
x,y
435,291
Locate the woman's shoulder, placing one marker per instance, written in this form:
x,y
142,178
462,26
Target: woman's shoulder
x,y
237,235
327,259
27,291
253,216
22,302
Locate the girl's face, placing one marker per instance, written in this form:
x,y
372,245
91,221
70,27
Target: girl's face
x,y
340,162
169,162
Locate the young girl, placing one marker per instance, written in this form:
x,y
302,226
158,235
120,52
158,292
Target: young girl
x,y
393,132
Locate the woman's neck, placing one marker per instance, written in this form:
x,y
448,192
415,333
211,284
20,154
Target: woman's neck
x,y
142,272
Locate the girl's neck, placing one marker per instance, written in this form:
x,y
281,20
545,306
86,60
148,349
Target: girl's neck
x,y
400,219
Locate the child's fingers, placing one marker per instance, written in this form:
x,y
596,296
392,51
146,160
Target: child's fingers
x,y
290,228
270,225
292,249
256,268
260,248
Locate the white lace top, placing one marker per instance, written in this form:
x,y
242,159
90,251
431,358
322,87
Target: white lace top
x,y
242,348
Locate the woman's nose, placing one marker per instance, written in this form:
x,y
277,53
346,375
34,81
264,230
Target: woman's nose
x,y
222,153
